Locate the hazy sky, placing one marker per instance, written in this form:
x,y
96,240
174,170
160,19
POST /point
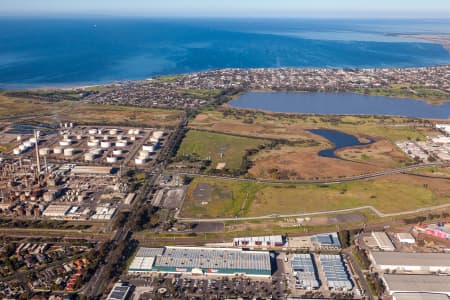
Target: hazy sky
x,y
232,8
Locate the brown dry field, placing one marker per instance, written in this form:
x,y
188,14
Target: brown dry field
x,y
273,128
382,154
79,112
304,163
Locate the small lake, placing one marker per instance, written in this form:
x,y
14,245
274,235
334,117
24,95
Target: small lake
x,y
339,139
340,104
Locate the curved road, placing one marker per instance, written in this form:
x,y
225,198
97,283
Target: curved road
x,y
318,181
373,209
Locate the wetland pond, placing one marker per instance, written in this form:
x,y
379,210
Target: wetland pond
x,y
340,104
339,139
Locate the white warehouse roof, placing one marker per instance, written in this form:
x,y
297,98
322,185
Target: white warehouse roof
x,y
419,296
417,283
383,241
411,261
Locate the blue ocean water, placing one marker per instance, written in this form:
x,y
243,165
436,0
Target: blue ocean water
x,y
66,52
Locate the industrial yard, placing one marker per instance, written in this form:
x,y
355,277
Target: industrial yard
x,y
72,172
105,145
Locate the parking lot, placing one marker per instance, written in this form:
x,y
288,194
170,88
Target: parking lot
x,y
202,287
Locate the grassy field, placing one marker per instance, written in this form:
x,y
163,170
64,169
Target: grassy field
x,y
443,172
432,96
228,199
388,194
300,161
220,148
85,113
293,126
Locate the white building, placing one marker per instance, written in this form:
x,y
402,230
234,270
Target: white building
x,y
417,284
383,241
444,127
406,238
411,262
259,241
56,211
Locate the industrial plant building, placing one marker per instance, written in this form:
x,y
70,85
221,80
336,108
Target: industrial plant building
x,y
417,284
406,238
383,241
202,261
326,241
335,272
259,241
411,262
305,272
120,291
419,296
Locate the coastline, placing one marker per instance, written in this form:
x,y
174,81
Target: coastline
x,y
440,39
76,86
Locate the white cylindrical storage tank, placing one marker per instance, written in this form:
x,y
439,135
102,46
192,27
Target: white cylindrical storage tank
x,y
121,143
149,148
65,142
79,137
144,154
133,138
137,131
93,143
111,159
158,134
71,125
154,140
120,137
28,144
23,148
92,131
17,151
66,136
69,152
139,161
106,137
89,156
130,131
44,151
117,152
19,138
57,150
105,144
96,151
113,131
100,131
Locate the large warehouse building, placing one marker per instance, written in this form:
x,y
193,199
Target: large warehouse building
x,y
202,261
411,262
417,284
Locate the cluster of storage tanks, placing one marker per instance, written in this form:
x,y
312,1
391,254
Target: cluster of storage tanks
x,y
25,146
148,148
101,139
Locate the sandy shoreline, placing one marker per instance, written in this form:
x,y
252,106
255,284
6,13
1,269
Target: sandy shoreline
x,y
441,39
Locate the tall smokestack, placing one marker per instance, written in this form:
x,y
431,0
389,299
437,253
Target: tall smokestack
x,y
38,162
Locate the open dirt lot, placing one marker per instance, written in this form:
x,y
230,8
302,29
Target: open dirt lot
x,y
208,227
